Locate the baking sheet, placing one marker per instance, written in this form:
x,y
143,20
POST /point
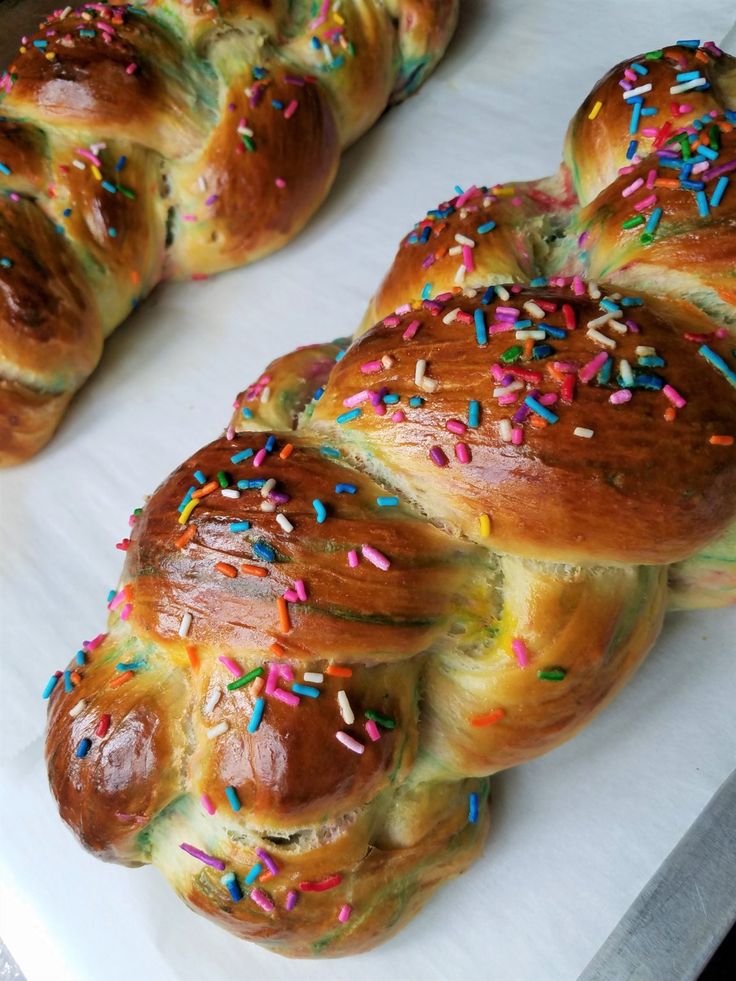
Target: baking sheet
x,y
577,834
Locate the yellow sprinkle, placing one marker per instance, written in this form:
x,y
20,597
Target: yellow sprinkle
x,y
96,172
184,516
50,55
485,525
595,110
338,19
503,192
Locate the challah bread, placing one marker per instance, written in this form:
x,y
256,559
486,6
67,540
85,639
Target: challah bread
x,y
171,140
411,561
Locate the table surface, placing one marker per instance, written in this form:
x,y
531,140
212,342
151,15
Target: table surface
x,y
575,835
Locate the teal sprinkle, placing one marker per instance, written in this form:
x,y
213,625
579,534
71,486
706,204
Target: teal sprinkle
x,y
257,868
330,451
240,526
540,410
320,509
200,477
308,690
112,232
473,414
387,502
487,226
109,187
247,413
718,363
427,291
243,455
128,665
255,719
232,796
415,401
350,415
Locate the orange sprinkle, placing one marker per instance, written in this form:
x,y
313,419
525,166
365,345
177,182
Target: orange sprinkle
x,y
701,56
121,679
277,649
135,276
265,875
528,347
193,657
204,491
256,686
670,414
721,441
286,451
337,672
76,677
664,182
495,715
226,569
283,608
538,422
441,253
186,536
253,570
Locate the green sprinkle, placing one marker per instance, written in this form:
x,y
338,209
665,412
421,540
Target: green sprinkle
x,y
222,478
552,674
633,222
512,354
646,238
654,55
249,144
380,719
246,679
126,191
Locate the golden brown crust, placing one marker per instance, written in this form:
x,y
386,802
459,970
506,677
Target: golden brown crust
x,y
28,420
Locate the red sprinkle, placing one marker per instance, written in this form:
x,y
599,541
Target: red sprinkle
x,y
322,885
103,725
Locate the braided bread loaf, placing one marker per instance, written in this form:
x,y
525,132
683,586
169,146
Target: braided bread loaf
x,y
171,140
411,561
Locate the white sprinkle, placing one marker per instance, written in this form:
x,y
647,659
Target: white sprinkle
x,y
245,131
455,250
488,201
419,371
387,361
593,292
694,83
284,522
429,385
347,740
596,335
268,487
268,506
79,165
450,317
505,430
507,389
186,622
97,147
645,352
627,375
581,431
619,328
605,317
348,716
265,394
460,274
534,335
502,293
202,182
212,700
230,492
217,730
534,310
76,709
464,240
314,677
469,292
632,93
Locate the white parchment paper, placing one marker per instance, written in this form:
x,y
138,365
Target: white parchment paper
x,y
577,834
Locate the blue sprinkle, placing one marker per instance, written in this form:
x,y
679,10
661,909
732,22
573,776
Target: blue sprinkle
x,y
345,489
424,237
708,152
109,187
540,410
631,149
609,305
651,361
542,351
668,162
320,509
112,232
719,191
340,355
604,375
257,868
231,884
59,229
731,115
557,332
318,394
349,416
200,477
652,382
40,44
703,207
255,719
264,551
631,301
487,226
692,185
687,76
458,190
481,331
330,451
50,685
639,69
415,401
473,414
243,455
4,169
270,444
650,227
81,656
522,324
240,526
488,295
472,808
232,795
6,263
387,502
67,212
390,399
247,413
277,103
689,44
650,111
121,162
539,281
187,498
308,690
426,291
635,118
83,748
68,686
718,363
129,666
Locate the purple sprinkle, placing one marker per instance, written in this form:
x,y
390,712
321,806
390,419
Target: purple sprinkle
x,y
215,863
291,898
268,861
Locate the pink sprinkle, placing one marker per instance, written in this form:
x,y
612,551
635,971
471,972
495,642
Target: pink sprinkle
x,y
88,155
548,399
207,804
462,452
438,457
674,396
352,558
126,611
91,645
370,367
508,399
344,914
291,596
352,744
262,899
617,398
291,109
352,400
398,416
259,457
411,330
651,178
468,260
280,182
301,590
373,731
230,432
455,426
565,367
645,203
391,321
291,898
519,648
498,372
634,186
231,666
376,558
115,602
578,286
507,312
288,697
517,435
589,370
189,218
272,680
